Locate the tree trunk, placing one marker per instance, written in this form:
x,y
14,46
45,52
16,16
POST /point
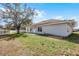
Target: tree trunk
x,y
18,29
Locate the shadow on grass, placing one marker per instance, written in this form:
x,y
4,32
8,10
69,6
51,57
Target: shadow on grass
x,y
11,36
74,37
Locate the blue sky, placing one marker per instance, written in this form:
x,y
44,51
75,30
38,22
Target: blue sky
x,y
56,10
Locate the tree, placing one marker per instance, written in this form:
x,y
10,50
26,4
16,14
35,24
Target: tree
x,y
17,14
72,22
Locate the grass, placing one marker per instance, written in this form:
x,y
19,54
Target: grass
x,y
42,45
38,45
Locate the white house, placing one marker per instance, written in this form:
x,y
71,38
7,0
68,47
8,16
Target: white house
x,y
3,31
52,27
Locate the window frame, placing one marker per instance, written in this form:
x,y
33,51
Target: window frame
x,y
39,29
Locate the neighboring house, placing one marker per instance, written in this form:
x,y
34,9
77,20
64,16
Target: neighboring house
x,y
52,27
3,31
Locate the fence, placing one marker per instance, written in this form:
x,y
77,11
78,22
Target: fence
x,y
3,32
15,31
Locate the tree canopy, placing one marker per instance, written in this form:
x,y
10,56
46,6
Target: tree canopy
x,y
17,14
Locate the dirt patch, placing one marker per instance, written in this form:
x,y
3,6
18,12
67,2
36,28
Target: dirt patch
x,y
12,48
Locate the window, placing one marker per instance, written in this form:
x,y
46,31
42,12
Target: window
x,y
30,29
39,29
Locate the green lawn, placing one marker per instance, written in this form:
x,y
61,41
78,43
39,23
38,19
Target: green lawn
x,y
38,45
46,45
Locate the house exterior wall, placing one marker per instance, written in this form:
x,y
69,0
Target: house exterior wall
x,y
59,30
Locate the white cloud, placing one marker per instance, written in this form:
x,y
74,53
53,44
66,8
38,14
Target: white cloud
x,y
2,9
65,17
73,17
40,16
58,17
38,12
